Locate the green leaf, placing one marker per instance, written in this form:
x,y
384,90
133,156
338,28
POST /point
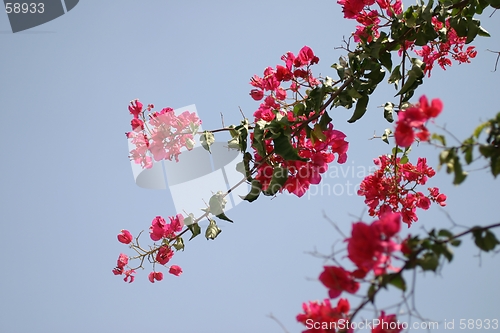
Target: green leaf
x,y
447,253
395,75
445,233
258,138
429,261
388,109
480,129
486,150
315,98
460,175
483,33
371,292
385,136
299,109
410,80
195,230
396,151
242,139
243,167
444,157
494,3
343,62
212,230
414,79
234,143
217,203
354,93
468,154
426,13
472,30
232,131
223,216
440,138
317,134
325,120
456,242
179,244
460,25
396,280
240,167
410,18
360,109
284,148
376,76
484,239
189,219
385,60
254,191
495,165
193,127
207,139
280,175
404,159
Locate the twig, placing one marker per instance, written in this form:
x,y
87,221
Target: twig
x,y
279,322
242,114
498,53
333,224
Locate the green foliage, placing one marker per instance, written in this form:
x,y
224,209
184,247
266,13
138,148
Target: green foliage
x,y
385,136
217,203
195,230
179,244
450,158
388,110
258,138
490,150
254,191
414,78
394,279
244,166
280,175
484,239
284,148
207,139
212,230
239,136
360,110
429,261
223,216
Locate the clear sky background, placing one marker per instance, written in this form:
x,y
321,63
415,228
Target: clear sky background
x,y
67,188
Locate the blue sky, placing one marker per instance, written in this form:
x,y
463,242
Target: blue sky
x,y
67,188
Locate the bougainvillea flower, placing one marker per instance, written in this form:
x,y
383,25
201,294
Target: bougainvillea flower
x,y
129,277
125,237
370,246
158,276
175,270
164,254
323,315
135,108
337,280
392,188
